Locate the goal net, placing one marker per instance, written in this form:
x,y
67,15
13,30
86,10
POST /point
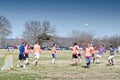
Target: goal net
x,y
8,63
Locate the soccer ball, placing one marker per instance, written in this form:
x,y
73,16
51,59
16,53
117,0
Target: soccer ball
x,y
86,25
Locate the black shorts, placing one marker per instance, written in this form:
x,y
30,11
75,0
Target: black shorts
x,y
79,55
21,57
74,56
26,56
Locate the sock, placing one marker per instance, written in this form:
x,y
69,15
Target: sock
x,y
26,61
52,61
87,64
24,66
34,63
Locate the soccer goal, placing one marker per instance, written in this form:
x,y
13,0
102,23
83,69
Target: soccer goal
x,y
8,63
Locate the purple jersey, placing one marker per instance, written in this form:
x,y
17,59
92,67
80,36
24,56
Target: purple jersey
x,y
101,50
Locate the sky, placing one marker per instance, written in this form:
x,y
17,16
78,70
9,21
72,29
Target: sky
x,y
102,16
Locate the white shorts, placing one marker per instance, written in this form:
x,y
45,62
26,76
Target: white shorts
x,y
37,55
78,52
99,56
110,57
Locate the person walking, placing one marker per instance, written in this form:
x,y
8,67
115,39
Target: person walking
x,y
53,50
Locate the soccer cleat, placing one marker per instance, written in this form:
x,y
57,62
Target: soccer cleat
x,y
24,67
27,63
52,63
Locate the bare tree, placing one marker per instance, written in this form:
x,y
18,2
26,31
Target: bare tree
x,y
34,29
5,28
17,41
115,40
47,28
83,36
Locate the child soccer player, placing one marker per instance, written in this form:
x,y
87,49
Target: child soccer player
x,y
110,58
78,53
92,51
74,54
99,55
53,50
88,54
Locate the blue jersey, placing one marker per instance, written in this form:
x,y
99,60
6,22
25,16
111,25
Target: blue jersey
x,y
112,51
21,49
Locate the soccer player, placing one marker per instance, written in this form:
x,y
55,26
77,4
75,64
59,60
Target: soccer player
x,y
21,60
100,53
88,54
53,50
92,51
110,58
37,52
74,54
119,50
26,53
78,53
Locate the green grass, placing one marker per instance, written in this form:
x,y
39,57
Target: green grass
x,y
61,70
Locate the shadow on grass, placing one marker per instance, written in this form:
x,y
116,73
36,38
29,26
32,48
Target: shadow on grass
x,y
73,64
85,67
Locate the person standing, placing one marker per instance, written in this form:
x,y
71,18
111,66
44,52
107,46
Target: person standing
x,y
26,53
53,50
37,52
21,58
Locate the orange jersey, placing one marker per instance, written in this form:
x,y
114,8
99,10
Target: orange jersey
x,y
53,50
91,50
87,52
36,48
74,50
27,49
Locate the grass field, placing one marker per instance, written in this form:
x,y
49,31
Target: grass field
x,y
61,70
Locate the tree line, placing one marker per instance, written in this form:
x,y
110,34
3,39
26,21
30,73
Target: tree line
x,y
45,33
